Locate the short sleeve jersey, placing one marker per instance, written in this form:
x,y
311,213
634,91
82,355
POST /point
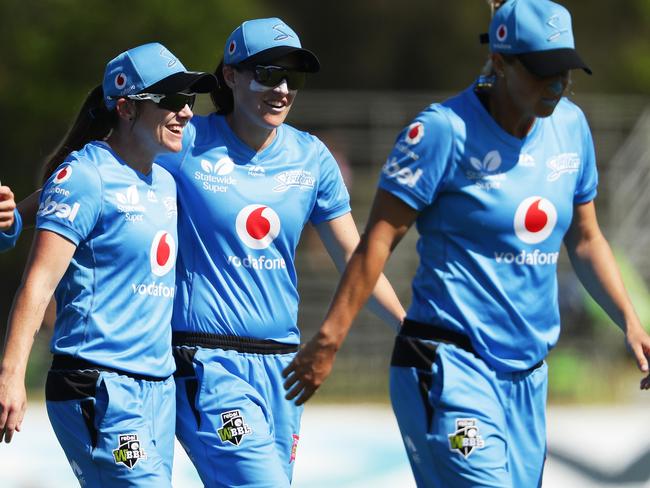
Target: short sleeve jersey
x,y
241,216
493,211
114,302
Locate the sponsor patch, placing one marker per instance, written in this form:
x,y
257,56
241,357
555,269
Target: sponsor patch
x,y
294,447
129,451
233,427
466,438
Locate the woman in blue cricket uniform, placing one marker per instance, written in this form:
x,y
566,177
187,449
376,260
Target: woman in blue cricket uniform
x,y
247,186
495,178
10,220
106,247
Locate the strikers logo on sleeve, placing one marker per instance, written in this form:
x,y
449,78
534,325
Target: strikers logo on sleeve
x,y
466,438
233,427
129,450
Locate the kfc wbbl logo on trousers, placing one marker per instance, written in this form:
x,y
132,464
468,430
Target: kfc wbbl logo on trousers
x,y
129,450
234,427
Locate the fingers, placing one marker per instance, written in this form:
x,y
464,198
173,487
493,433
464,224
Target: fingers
x,y
645,383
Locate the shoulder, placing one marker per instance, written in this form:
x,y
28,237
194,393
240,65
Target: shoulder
x,y
203,129
567,112
291,135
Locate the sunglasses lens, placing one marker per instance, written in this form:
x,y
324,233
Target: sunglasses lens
x,y
176,101
272,76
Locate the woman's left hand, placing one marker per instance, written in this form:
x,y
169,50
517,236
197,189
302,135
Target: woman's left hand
x,y
308,370
639,342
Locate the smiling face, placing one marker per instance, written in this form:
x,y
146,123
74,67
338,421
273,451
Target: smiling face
x,y
259,109
158,130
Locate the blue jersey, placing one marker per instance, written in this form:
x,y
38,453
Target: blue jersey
x,y
493,210
241,216
115,300
8,238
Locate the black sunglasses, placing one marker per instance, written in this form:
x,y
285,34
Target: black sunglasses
x,y
174,102
272,76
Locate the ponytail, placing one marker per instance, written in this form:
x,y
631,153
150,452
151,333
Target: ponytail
x,y
94,122
222,97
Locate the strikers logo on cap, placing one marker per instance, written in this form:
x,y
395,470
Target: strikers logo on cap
x,y
63,174
502,33
120,81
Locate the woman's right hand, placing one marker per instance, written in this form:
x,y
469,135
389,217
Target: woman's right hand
x,y
13,403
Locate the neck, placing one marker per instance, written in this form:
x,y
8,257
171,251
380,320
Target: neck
x,y
134,154
504,111
254,136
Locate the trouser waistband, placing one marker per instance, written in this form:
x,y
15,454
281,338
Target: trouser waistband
x,y
410,352
240,344
64,362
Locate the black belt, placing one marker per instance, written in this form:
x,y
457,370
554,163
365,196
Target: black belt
x,y
236,343
64,362
410,352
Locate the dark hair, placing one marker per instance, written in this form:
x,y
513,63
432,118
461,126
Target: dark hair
x,y
222,97
94,122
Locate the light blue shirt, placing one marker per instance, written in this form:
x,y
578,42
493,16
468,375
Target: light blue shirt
x,y
493,211
241,216
114,303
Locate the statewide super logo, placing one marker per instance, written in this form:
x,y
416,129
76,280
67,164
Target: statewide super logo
x,y
163,253
129,450
535,219
257,226
233,427
466,437
414,133
62,175
216,177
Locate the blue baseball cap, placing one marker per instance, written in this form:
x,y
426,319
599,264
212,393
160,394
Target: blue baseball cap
x,y
539,33
263,41
151,68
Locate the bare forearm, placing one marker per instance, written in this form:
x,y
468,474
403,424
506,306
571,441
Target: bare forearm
x,y
357,284
24,322
595,266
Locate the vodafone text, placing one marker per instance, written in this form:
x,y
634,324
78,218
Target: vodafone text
x,y
261,262
153,290
525,258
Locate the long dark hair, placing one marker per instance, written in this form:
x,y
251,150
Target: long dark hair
x,y
221,96
94,122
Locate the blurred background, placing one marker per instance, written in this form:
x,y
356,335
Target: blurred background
x,y
382,62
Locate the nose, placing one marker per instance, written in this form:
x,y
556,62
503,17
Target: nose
x,y
282,88
558,85
185,112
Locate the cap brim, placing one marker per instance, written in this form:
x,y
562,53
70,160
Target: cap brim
x,y
552,62
308,62
184,81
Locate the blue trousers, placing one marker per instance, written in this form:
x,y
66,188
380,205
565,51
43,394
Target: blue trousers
x,y
464,424
115,430
232,417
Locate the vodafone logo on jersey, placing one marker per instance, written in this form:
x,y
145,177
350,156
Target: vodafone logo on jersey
x,y
163,253
535,219
63,175
414,133
257,226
